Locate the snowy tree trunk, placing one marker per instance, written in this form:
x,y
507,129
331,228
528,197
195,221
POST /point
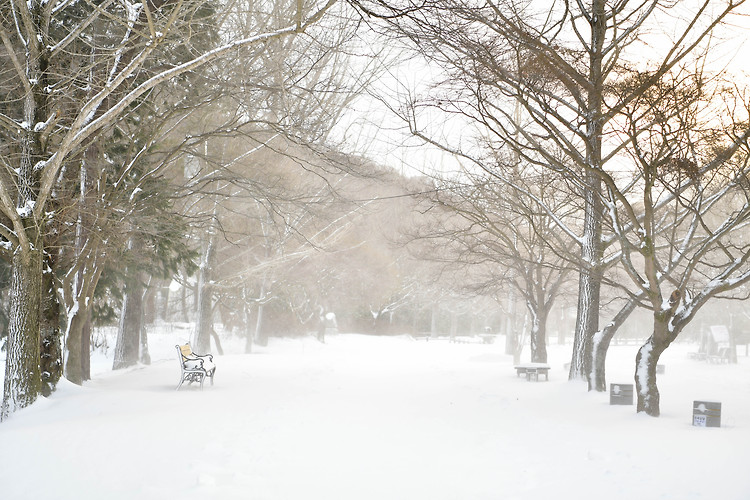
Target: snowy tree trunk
x,y
520,339
162,311
78,346
86,346
587,324
23,380
205,298
73,344
131,325
589,283
185,312
261,338
145,356
147,292
645,377
247,313
511,335
149,302
260,334
538,336
78,334
647,359
51,359
602,339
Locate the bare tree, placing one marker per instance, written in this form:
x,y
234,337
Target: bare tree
x,y
688,139
558,63
46,122
502,240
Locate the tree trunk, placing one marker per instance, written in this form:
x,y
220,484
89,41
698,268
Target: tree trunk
x,y
78,334
589,283
511,335
131,324
434,311
145,355
163,303
77,346
86,346
73,344
217,342
146,300
646,361
183,303
247,313
23,380
261,338
602,339
51,359
538,337
150,312
520,339
78,342
205,299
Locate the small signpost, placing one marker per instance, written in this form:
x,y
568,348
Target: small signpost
x,y
706,414
621,394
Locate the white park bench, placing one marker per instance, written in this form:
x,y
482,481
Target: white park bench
x,y
194,367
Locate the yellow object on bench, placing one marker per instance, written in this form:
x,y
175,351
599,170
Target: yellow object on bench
x,y
194,367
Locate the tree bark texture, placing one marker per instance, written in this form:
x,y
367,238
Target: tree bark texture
x,y
23,380
589,283
129,332
73,367
51,358
647,359
86,346
602,339
587,322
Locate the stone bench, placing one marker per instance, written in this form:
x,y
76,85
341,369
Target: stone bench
x,y
533,370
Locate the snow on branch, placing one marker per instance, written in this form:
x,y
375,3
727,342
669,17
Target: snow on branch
x,y
86,124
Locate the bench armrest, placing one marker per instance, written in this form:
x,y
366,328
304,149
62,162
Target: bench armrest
x,y
193,364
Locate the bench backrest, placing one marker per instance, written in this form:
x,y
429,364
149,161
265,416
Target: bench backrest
x,y
185,350
184,354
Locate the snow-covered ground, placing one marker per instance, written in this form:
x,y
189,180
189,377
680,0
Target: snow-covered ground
x,y
364,418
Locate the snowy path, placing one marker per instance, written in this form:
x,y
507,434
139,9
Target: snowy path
x,y
365,418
